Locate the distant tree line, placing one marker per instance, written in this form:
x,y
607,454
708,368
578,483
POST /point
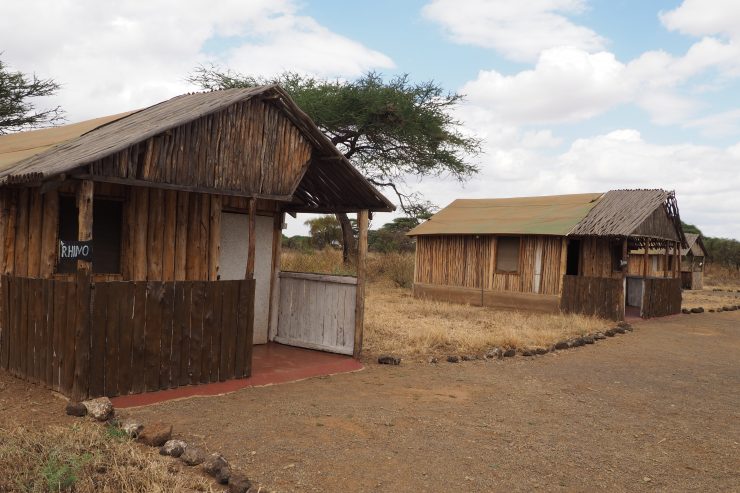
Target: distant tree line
x,y
326,232
720,251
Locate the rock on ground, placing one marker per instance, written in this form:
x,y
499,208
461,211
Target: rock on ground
x,y
132,428
215,465
562,345
173,448
75,409
387,359
193,456
100,408
510,352
156,434
239,484
453,359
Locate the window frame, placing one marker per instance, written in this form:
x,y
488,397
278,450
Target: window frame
x,y
518,255
106,198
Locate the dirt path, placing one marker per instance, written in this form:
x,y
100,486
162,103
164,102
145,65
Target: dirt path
x,y
658,409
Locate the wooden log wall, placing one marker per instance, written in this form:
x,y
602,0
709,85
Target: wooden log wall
x,y
596,258
656,265
143,336
249,147
598,296
467,261
29,227
166,235
661,297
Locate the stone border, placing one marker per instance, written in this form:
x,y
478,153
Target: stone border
x,y
160,435
511,351
726,308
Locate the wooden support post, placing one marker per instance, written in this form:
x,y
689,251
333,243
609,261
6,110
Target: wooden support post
x,y
676,260
362,223
85,219
646,259
563,264
665,262
252,207
214,240
277,242
83,292
625,257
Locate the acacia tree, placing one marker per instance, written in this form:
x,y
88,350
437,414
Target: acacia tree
x,y
17,110
389,130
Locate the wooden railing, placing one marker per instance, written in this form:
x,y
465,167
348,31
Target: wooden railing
x,y
599,296
87,339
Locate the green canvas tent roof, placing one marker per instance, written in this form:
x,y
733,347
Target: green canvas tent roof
x,y
550,215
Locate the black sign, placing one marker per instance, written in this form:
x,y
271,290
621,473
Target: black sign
x,y
75,250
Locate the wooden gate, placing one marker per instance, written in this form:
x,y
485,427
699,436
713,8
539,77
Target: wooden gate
x,y
317,311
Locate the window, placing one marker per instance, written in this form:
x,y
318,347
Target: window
x,y
670,263
107,221
616,249
507,254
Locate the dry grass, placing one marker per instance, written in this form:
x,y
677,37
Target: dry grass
x,y
717,276
399,324
708,299
397,268
86,457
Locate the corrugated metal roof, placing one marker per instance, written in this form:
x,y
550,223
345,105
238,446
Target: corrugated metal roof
x,y
620,212
549,215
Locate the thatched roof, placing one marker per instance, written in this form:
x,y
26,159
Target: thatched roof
x,y
32,157
617,213
695,245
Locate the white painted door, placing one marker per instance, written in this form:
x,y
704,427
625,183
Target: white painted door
x,y
233,262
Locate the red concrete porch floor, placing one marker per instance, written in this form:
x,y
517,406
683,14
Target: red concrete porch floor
x,y
271,364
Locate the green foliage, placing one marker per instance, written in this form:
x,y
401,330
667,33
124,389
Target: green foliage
x,y
391,237
17,111
116,433
297,242
325,232
60,474
690,228
723,251
388,129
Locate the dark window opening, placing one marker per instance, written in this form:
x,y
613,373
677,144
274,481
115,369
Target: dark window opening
x,y
670,262
107,224
616,249
507,254
573,261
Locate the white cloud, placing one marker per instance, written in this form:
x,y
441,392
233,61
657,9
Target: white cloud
x,y
518,30
704,177
114,56
567,84
704,17
723,124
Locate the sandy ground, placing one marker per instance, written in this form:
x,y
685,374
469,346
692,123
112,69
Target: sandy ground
x,y
657,409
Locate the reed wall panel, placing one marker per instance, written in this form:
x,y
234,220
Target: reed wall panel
x,y
467,261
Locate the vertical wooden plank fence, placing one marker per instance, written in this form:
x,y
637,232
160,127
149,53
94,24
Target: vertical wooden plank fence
x,y
661,297
132,337
599,296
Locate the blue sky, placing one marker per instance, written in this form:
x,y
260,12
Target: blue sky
x,y
569,95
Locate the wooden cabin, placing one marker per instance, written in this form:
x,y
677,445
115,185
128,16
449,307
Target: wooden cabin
x,y
660,262
140,251
553,253
693,257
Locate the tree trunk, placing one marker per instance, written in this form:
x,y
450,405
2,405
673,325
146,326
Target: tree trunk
x,y
348,237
